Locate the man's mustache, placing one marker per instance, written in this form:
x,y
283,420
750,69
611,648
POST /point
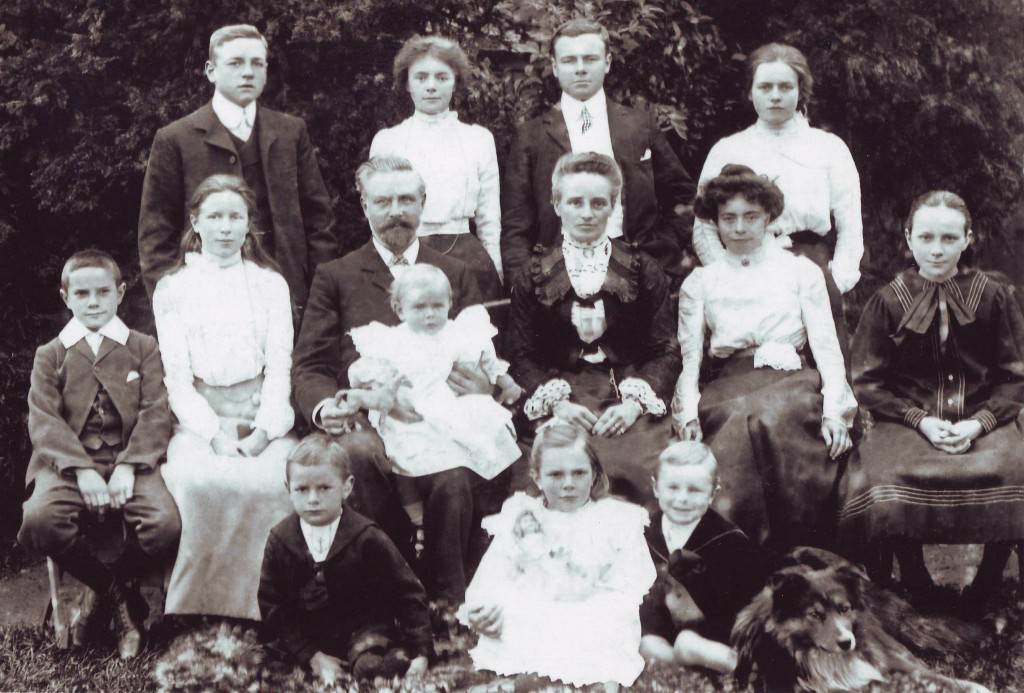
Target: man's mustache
x,y
396,223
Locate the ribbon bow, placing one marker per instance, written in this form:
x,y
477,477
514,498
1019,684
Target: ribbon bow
x,y
930,301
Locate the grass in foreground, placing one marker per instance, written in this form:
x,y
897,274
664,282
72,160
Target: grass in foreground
x,y
227,659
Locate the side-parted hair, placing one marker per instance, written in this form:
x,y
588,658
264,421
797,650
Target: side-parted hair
x,y
316,449
445,50
568,436
939,198
579,27
252,249
232,32
420,274
737,180
688,453
794,58
585,162
90,258
388,163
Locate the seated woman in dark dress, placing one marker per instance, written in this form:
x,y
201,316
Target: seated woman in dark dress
x,y
591,330
776,424
938,364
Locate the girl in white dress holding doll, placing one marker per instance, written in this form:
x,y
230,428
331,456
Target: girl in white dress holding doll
x,y
412,361
558,592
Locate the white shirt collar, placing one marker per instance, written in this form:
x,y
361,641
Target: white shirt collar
x,y
319,539
435,118
596,105
230,114
676,536
410,254
75,331
791,128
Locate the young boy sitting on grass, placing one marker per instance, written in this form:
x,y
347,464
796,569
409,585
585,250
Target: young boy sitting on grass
x,y
99,425
708,569
335,593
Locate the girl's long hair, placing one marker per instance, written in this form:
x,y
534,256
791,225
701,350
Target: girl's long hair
x,y
252,249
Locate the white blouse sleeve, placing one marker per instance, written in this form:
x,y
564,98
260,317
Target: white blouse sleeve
x,y
706,242
844,181
191,408
488,204
379,145
839,403
691,342
275,415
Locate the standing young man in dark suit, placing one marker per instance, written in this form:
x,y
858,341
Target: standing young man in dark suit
x,y
271,151
353,291
655,185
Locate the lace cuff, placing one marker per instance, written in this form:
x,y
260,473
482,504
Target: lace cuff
x,y
639,391
777,355
545,398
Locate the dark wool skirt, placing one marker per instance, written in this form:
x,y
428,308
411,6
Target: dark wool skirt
x,y
469,249
899,485
629,459
764,426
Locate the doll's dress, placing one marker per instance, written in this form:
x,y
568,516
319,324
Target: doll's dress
x,y
570,612
470,431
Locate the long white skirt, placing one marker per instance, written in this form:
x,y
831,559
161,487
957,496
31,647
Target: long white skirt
x,y
228,506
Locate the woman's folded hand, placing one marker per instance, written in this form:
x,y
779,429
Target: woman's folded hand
x,y
617,419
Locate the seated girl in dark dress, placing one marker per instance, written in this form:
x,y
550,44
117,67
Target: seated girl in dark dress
x,y
776,424
591,331
937,362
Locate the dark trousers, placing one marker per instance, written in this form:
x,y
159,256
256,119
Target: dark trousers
x,y
454,501
54,515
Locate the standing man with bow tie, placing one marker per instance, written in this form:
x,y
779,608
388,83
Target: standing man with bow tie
x,y
271,151
656,187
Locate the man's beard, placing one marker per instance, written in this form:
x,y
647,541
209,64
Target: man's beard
x,y
396,234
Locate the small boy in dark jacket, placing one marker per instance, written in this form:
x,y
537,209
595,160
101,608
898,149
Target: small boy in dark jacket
x,y
335,593
708,569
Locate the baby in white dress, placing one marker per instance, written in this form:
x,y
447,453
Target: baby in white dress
x,y
409,364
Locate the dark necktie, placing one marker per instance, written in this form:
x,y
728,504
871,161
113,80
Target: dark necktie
x,y
398,260
588,121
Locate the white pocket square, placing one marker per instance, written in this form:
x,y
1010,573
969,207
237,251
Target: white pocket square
x,y
646,156
132,375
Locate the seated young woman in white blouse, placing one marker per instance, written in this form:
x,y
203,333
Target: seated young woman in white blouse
x,y
776,424
224,322
458,161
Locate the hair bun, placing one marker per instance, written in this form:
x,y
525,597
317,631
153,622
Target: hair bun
x,y
737,170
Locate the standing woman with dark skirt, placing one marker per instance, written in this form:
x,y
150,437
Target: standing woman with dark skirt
x,y
778,425
939,365
457,161
813,168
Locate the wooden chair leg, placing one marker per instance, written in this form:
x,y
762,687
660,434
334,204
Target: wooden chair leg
x,y
58,611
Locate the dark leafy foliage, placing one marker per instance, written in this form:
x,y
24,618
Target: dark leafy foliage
x,y
926,92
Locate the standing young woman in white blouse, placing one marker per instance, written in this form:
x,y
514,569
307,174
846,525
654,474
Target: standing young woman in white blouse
x,y
777,426
457,161
813,168
224,322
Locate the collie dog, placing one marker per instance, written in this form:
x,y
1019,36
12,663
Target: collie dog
x,y
822,626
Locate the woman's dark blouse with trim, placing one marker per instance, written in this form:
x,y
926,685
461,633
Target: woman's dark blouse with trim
x,y
639,341
901,376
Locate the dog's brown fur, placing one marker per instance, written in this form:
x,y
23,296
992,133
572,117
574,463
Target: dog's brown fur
x,y
821,626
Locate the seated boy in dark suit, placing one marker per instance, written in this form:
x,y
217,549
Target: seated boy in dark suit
x,y
708,569
334,587
99,424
